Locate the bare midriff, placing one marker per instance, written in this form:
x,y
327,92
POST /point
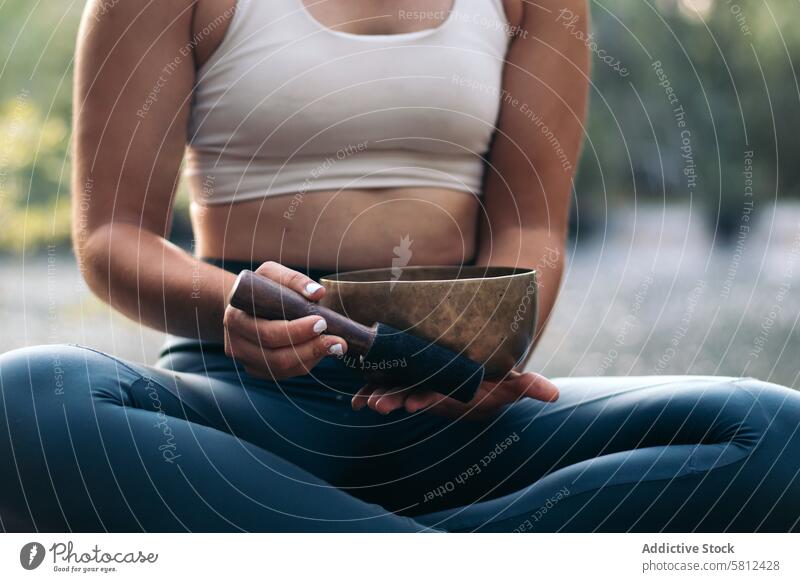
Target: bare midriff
x,y
348,229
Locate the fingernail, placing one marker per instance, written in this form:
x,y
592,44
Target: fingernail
x,y
336,350
312,288
320,326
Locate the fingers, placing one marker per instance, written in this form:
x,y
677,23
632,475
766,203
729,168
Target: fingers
x,y
309,354
532,385
381,400
292,279
376,395
389,401
496,396
361,397
423,399
287,361
274,333
279,349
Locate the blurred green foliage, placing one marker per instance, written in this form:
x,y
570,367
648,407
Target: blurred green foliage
x,y
731,70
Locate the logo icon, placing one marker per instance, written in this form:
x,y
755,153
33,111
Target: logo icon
x,y
402,256
31,555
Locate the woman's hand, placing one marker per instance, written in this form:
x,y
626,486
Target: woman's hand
x,y
489,399
277,349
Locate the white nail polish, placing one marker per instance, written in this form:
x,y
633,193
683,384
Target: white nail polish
x,y
336,350
312,288
320,326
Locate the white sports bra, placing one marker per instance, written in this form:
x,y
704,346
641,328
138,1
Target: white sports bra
x,y
286,105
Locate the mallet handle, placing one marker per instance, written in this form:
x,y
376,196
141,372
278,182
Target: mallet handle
x,y
263,297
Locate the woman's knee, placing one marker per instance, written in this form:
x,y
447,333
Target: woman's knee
x,y
778,405
61,372
33,368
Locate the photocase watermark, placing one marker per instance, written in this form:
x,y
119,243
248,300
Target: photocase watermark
x,y
628,324
402,256
31,555
95,560
360,363
473,470
686,150
481,20
52,319
168,448
84,204
423,15
569,20
206,193
549,260
66,559
526,110
744,226
775,310
548,134
488,23
683,327
186,51
14,128
319,171
104,8
524,304
155,91
741,19
207,189
52,294
196,277
58,374
537,515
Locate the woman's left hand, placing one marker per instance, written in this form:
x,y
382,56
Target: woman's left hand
x,y
489,399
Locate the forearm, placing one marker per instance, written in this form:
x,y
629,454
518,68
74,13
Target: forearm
x,y
536,147
154,282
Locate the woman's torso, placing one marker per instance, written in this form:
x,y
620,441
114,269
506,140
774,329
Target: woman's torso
x,y
343,227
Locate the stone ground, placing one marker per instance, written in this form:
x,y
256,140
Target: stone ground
x,y
647,296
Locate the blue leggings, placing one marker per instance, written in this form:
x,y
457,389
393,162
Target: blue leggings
x,y
89,442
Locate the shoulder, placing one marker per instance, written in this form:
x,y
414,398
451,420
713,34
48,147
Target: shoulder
x,y
124,13
546,21
126,25
529,15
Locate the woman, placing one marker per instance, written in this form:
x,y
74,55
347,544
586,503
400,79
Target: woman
x,y
335,134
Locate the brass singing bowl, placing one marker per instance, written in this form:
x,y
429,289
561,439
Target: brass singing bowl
x,y
485,313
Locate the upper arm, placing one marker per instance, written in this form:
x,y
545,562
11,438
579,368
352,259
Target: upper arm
x,y
133,81
540,127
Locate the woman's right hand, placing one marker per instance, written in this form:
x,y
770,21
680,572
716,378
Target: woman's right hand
x,y
278,349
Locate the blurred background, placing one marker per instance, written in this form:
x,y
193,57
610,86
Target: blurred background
x,y
685,234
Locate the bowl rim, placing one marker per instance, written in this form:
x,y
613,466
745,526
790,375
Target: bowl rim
x,y
516,272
